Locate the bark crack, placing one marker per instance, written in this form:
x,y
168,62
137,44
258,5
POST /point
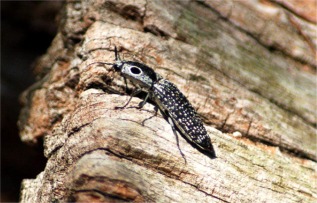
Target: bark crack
x,y
291,10
253,36
155,169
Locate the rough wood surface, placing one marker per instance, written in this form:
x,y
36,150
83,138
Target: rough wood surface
x,y
248,68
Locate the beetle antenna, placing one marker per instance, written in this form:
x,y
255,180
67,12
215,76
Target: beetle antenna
x,y
102,63
116,54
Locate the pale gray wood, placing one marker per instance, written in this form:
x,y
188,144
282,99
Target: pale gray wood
x,y
262,102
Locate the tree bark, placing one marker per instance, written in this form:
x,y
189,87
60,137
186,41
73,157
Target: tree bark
x,y
247,67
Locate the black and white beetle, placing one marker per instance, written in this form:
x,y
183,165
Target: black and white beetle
x,y
172,103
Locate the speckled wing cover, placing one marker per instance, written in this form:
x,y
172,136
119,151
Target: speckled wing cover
x,y
173,103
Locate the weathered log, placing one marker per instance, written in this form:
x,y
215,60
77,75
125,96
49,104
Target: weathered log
x,y
250,75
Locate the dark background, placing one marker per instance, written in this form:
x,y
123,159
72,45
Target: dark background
x,y
27,29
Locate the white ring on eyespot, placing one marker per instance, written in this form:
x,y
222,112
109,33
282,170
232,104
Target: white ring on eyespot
x,y
130,69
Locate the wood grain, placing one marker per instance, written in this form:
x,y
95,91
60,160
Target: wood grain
x,y
252,85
